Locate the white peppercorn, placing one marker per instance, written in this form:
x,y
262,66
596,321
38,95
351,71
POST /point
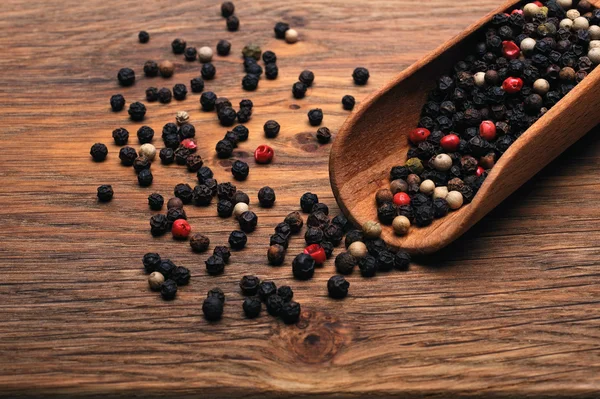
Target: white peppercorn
x,y
205,54
148,150
291,36
566,24
594,55
530,10
595,44
541,86
573,14
565,4
401,224
527,45
371,229
182,118
581,23
594,32
440,192
155,280
442,162
240,208
454,199
479,79
427,187
358,249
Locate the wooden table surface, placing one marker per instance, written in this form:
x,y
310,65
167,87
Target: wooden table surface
x,y
510,309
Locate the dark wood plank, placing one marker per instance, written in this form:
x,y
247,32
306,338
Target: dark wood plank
x,y
510,309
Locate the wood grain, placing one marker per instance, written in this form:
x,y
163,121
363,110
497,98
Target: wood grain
x,y
510,309
360,166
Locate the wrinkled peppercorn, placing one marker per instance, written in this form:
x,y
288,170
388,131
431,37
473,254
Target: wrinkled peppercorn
x,y
402,260
333,234
307,77
252,307
303,267
271,129
207,100
280,29
323,135
244,115
203,195
199,242
212,308
266,289
386,213
240,170
105,193
145,134
237,239
286,293
299,90
127,155
266,197
290,312
348,102
126,77
167,156
223,47
307,201
337,287
194,163
279,239
151,261
226,191
174,214
179,91
248,221
156,201
117,102
178,46
184,192
227,116
208,71
274,305
313,235
159,225
224,208
367,266
315,117
250,82
294,220
360,76
276,254
168,290
216,293
317,219
233,23
215,265
99,152
319,206
353,236
164,95
151,68
345,263
181,275
222,252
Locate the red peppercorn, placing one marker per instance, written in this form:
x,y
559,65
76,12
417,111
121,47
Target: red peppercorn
x,y
418,135
263,154
316,252
181,229
512,85
450,142
487,130
538,3
479,171
510,50
190,144
517,11
401,199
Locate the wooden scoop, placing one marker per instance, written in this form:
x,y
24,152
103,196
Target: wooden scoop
x,y
374,138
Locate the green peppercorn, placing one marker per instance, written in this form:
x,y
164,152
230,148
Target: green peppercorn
x,y
415,166
252,50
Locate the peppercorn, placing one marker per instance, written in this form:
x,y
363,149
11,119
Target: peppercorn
x,y
279,239
184,192
155,280
147,150
294,220
401,224
341,221
353,236
252,51
317,219
367,266
244,115
240,170
358,249
181,155
348,102
383,195
249,285
299,90
151,69
178,46
117,102
222,252
303,267
337,287
105,193
167,156
226,191
250,82
126,77
159,224
360,76
165,267
276,253
240,196
248,221
227,116
156,201
233,23
99,152
181,275
266,197
223,48
263,154
315,117
323,135
164,95
190,53
168,290
215,265
216,293
166,69
401,199
179,91
284,229
181,228
275,305
307,77
151,261
320,207
143,36
454,199
307,201
199,242
290,312
174,214
398,186
127,155
254,69
402,260
252,307
212,307
313,235
280,29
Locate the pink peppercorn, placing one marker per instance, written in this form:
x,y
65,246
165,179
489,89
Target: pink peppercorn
x,y
181,229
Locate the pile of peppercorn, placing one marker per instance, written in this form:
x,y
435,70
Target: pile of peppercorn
x,y
526,61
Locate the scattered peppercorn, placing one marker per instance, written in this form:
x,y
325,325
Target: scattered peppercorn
x,y
215,265
291,36
274,305
367,266
303,267
126,77
280,29
233,23
199,242
137,111
168,290
212,307
360,76
166,267
181,275
358,249
117,102
216,293
222,252
252,307
307,77
252,50
294,220
348,102
240,170
227,9
99,152
248,221
290,312
145,178
315,117
207,100
155,281
249,285
337,286
317,252
223,48
143,36
266,289
285,292
127,155
402,260
299,90
178,46
179,91
190,53
151,69
184,192
307,201
323,135
167,156
266,197
166,69
250,82
276,254
105,193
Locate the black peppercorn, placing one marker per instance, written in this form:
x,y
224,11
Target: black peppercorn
x,y
280,29
168,290
166,267
181,155
254,69
145,178
367,266
328,248
240,196
252,307
337,287
224,208
99,152
238,239
187,131
341,221
126,77
244,115
440,207
333,233
299,90
303,267
274,305
402,260
285,292
223,47
317,219
307,77
167,156
224,149
199,242
271,71
290,312
232,138
250,82
105,193
294,220
184,192
159,225
307,201
233,23
266,197
315,116
145,134
203,195
227,9
222,252
127,155
375,246
212,307
276,253
181,275
194,163
269,57
348,102
353,236
156,201
151,261
208,71
386,213
248,221
227,116
226,191
319,206
164,95
178,46
207,100
215,265
313,235
323,135
283,229
197,85
150,69
203,174
240,170
345,263
271,129
143,36
117,102
279,239
266,289
179,91
175,213
360,76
